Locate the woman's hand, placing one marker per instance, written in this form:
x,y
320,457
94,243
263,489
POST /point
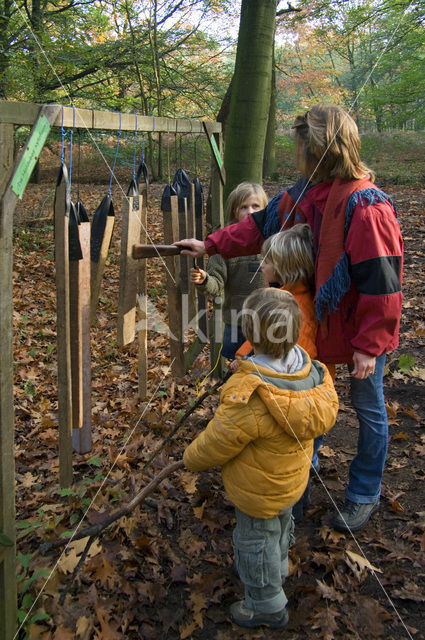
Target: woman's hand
x,y
192,247
197,275
364,365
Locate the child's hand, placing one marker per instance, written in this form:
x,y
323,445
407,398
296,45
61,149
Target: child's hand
x,y
197,275
233,366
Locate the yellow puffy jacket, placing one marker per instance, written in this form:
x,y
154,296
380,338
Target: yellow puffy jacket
x,y
262,434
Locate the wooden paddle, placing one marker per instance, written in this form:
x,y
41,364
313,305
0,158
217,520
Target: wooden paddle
x,y
101,233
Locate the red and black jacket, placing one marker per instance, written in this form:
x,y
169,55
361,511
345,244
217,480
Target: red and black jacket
x,y
367,317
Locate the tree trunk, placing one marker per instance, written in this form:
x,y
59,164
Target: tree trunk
x,y
269,160
250,100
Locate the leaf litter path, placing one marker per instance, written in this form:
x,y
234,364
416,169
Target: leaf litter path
x,y
166,571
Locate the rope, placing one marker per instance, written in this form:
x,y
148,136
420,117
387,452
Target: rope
x,y
134,150
115,158
63,136
71,133
79,164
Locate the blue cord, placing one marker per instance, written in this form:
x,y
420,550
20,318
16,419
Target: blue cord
x,y
63,134
143,147
115,159
71,133
134,151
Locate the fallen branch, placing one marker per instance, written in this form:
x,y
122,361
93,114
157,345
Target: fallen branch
x,y
185,416
96,529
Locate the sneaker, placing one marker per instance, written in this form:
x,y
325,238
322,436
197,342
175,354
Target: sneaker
x,y
244,617
353,516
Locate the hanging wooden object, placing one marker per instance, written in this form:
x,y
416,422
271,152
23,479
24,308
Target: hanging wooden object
x,y
130,235
101,233
61,218
81,436
170,212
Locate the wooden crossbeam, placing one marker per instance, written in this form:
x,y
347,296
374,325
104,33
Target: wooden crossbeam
x,y
26,113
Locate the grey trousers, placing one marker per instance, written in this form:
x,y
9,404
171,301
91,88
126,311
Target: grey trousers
x,y
261,558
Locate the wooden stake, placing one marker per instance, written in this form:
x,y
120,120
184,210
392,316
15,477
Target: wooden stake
x,y
127,297
8,606
61,208
171,230
81,438
142,313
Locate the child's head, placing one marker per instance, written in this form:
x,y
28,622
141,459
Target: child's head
x,y
327,145
246,198
287,256
271,321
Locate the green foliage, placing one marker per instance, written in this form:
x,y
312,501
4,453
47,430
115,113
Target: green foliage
x,y
27,578
395,156
406,363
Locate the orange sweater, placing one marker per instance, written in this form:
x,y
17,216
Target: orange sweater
x,y
308,333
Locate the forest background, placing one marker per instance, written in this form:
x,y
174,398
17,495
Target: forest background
x,y
176,58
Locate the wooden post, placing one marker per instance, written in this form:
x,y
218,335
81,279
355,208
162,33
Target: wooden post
x,y
81,438
127,297
217,220
171,234
218,176
61,209
8,597
142,311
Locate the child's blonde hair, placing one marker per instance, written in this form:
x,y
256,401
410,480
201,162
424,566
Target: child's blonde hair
x,y
291,254
327,144
271,321
240,193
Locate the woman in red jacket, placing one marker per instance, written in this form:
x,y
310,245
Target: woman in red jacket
x,y
359,257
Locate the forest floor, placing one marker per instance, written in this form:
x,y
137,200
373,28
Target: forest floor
x,y
166,570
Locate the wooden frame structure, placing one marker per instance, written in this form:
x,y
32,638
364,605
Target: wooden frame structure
x,y
13,180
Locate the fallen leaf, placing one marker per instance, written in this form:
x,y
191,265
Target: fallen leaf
x,y
409,591
71,557
328,592
108,632
362,562
83,626
186,630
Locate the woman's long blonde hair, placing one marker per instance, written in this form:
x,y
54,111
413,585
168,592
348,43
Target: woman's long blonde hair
x,y
327,145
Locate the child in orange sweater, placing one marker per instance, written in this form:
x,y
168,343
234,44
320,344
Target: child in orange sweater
x,y
288,262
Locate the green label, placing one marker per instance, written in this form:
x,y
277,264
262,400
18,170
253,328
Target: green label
x,y
29,157
216,152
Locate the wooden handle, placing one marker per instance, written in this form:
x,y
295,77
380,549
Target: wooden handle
x,y
155,250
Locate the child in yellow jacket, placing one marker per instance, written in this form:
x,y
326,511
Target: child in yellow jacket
x,y
262,436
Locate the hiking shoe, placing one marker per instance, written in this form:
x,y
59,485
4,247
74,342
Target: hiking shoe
x,y
353,516
244,617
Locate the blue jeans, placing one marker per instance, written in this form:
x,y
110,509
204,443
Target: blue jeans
x,y
316,446
233,338
261,558
367,466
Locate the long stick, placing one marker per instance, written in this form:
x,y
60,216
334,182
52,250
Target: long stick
x,y
94,531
